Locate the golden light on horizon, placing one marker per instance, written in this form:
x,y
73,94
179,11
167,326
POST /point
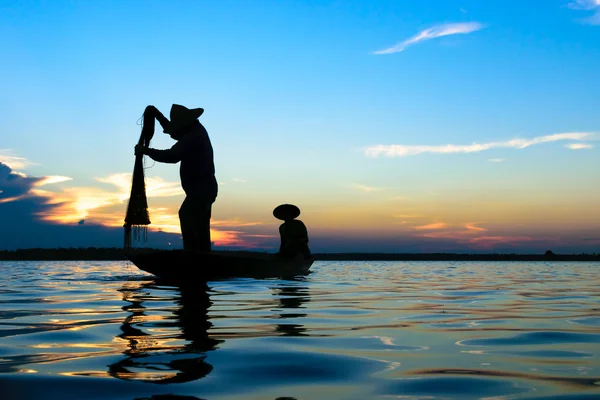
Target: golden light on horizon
x,y
480,217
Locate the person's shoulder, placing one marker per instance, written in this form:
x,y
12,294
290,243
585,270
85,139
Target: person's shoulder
x,y
298,222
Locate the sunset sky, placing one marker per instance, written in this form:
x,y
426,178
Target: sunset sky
x,y
459,125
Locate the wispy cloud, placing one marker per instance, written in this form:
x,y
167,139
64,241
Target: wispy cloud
x,y
480,242
398,150
237,223
469,234
239,180
155,186
8,158
366,188
587,5
432,33
437,225
491,241
578,146
407,216
584,4
48,180
496,160
472,227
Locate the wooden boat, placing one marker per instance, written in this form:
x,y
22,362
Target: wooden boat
x,y
177,265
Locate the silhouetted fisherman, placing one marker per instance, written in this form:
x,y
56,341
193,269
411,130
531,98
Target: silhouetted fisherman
x,y
293,232
197,172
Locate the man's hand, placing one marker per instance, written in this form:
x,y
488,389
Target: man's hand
x,y
153,111
140,149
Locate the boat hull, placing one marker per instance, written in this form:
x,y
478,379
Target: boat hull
x,y
177,265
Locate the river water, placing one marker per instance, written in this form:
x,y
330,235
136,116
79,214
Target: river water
x,y
348,330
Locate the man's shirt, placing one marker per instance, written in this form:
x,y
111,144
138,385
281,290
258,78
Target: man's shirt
x,y
197,169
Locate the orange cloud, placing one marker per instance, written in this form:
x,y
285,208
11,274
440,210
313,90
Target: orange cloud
x,y
107,207
155,186
437,225
75,204
500,239
234,222
470,235
472,227
14,198
465,236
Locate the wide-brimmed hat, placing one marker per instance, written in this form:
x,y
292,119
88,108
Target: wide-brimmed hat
x,y
286,211
181,117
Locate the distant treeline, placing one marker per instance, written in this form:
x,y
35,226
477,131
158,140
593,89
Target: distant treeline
x,y
454,257
62,254
115,253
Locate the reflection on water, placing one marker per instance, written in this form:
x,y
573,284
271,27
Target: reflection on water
x,y
172,349
174,355
347,331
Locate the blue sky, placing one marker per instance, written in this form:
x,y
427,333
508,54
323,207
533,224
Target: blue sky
x,y
297,97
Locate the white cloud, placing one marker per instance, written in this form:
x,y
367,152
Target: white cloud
x,y
8,158
155,186
398,150
48,180
239,180
578,146
496,160
584,4
432,33
366,188
587,5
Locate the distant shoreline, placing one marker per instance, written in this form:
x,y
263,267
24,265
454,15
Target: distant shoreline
x,y
117,254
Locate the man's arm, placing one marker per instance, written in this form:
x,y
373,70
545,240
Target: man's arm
x,y
164,122
171,156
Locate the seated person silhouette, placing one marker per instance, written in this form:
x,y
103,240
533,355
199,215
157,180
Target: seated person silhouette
x,y
294,236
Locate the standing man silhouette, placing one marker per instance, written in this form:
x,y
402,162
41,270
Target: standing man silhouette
x,y
197,172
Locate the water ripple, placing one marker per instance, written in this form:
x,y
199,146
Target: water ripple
x,y
349,330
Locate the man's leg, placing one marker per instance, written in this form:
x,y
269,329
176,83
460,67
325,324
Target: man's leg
x,y
187,222
194,216
203,225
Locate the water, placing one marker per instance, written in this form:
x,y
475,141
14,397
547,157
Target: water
x,y
349,330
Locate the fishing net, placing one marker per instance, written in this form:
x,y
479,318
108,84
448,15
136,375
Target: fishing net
x,y
137,217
